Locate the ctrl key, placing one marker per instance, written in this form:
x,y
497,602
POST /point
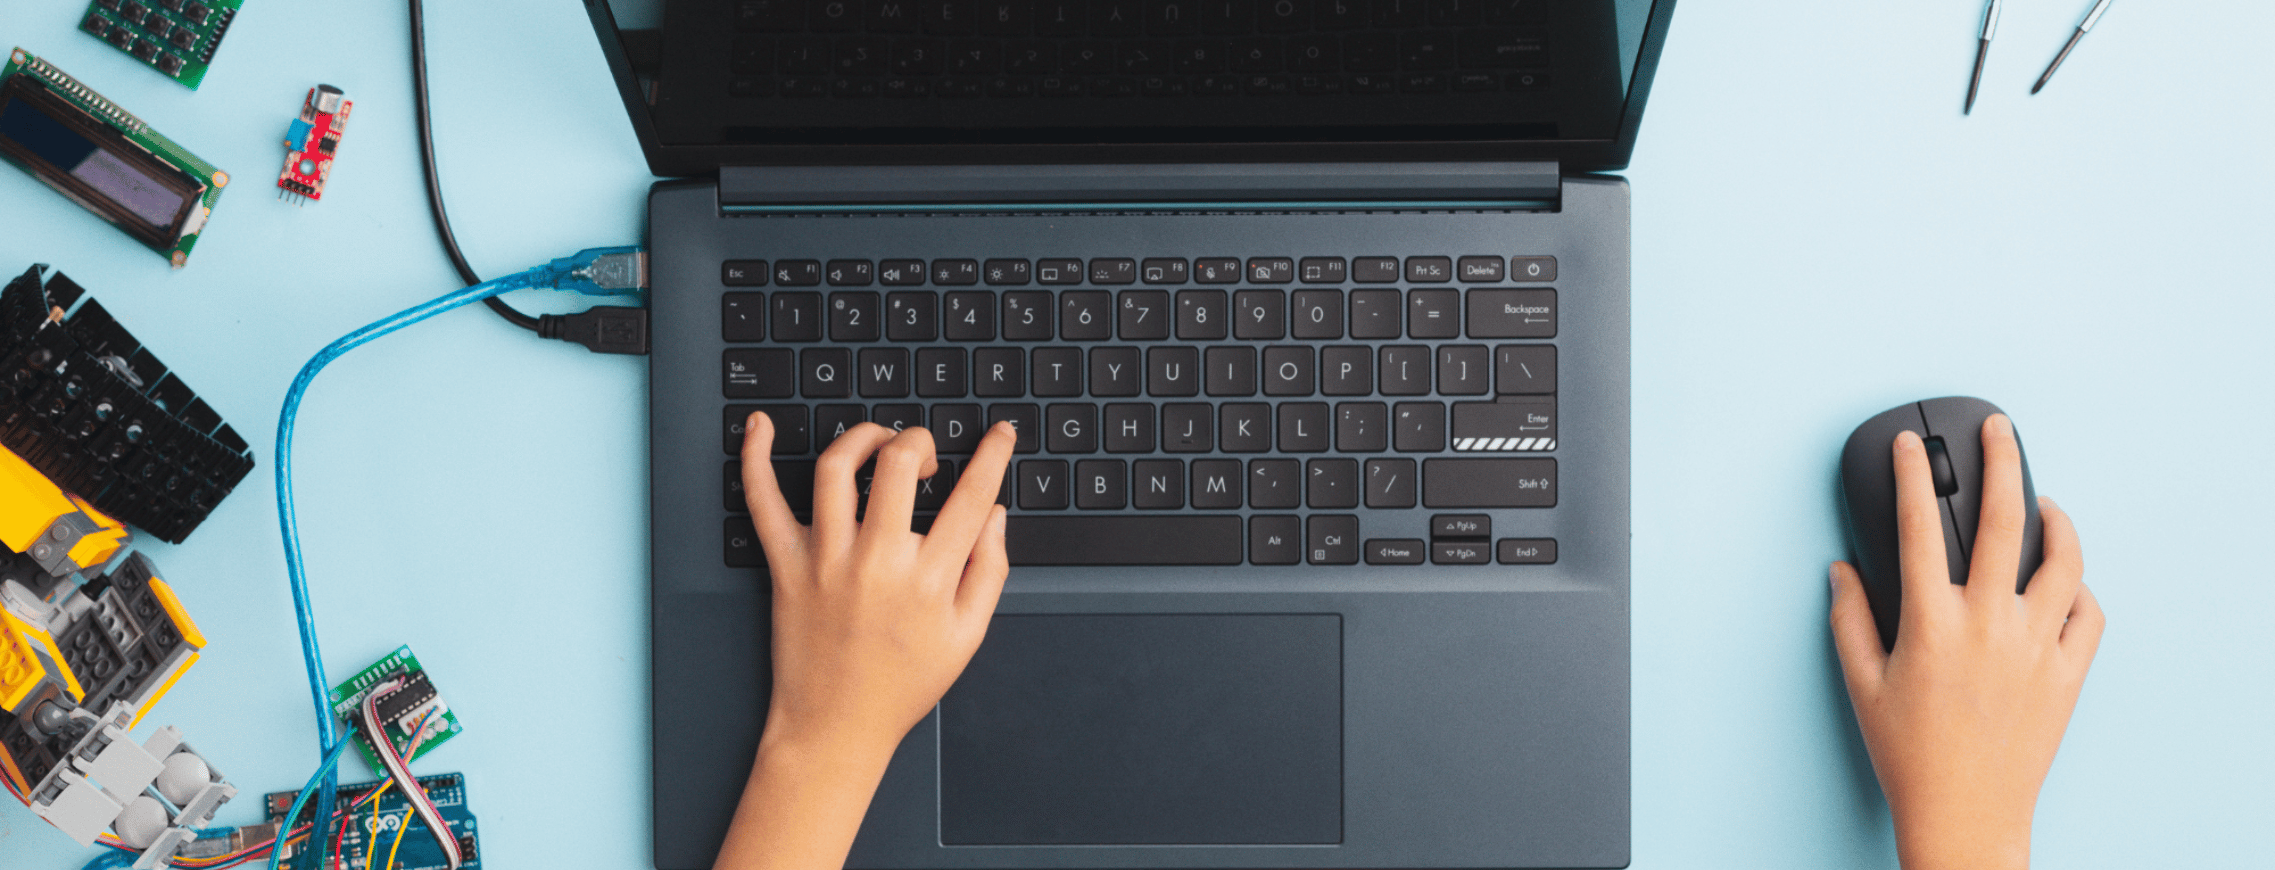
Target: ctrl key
x,y
1528,551
742,547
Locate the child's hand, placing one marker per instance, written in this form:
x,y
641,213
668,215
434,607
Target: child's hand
x,y
873,622
1963,718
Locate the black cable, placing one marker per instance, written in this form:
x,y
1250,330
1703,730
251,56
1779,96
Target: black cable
x,y
434,182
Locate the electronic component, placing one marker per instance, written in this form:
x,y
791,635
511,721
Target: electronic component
x,y
103,158
399,710
311,143
372,827
94,411
175,37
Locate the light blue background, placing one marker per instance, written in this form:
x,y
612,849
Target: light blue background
x,y
1819,235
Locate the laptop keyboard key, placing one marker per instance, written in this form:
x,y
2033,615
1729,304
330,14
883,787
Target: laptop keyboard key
x,y
883,372
956,428
1346,370
1124,540
1274,483
798,273
1375,313
955,273
1058,371
1289,371
999,372
1173,371
1099,484
1405,370
1129,427
1489,483
1524,369
1480,270
742,548
1042,485
758,373
742,317
912,316
853,317
1332,540
831,421
1115,371
1270,270
1318,314
1071,428
851,273
1362,427
1113,270
1187,428
940,373
1463,369
1162,270
1245,427
1512,314
797,317
1157,484
1086,315
1216,270
1332,483
743,273
1058,271
1275,540
791,437
1433,313
1231,371
1420,427
1027,315
901,273
1143,315
1026,422
1200,315
1262,315
1429,270
970,316
1303,427
1532,269
1375,270
1390,483
825,373
1321,270
1395,551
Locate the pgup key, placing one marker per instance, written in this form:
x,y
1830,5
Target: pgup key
x,y
1512,425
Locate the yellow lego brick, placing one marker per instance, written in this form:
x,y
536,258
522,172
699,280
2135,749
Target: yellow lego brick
x,y
29,502
97,547
180,615
20,668
44,654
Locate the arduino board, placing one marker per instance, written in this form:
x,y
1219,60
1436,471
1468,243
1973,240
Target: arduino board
x,y
371,828
175,37
399,711
104,158
311,143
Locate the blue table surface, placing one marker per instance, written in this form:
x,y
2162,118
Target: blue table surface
x,y
1819,235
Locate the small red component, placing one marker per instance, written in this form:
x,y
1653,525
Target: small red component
x,y
312,142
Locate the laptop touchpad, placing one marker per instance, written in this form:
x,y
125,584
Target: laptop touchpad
x,y
1154,729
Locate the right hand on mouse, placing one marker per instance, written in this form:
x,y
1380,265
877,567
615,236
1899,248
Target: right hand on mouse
x,y
1962,719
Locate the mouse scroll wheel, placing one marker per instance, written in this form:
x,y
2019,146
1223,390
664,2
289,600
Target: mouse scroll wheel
x,y
1939,466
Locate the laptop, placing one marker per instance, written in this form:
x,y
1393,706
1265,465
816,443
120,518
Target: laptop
x,y
1313,317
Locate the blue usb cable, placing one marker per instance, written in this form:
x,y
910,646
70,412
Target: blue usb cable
x,y
594,271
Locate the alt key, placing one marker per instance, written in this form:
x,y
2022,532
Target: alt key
x,y
1528,551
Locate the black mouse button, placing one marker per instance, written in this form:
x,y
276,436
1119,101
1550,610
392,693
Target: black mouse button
x,y
1958,420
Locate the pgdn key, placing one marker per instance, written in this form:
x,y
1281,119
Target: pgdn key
x,y
1512,425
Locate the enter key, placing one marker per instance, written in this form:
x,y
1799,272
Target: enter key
x,y
1515,424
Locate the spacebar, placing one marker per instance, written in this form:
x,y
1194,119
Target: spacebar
x,y
1123,540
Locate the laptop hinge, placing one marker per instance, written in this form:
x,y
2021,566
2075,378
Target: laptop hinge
x,y
1150,187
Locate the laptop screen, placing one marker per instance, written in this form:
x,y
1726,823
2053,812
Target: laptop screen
x,y
722,74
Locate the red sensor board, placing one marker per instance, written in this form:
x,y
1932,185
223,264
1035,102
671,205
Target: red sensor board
x,y
311,144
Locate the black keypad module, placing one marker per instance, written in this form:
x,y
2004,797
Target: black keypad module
x,y
1259,409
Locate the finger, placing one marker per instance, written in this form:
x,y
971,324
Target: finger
x,y
966,512
2081,636
1998,533
836,495
903,461
2054,589
983,579
1855,636
778,530
1919,532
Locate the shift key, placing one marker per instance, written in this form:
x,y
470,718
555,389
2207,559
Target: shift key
x,y
1512,314
1489,483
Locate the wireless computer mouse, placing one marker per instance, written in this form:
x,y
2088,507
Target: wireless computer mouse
x,y
1952,428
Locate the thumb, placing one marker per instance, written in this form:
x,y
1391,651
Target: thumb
x,y
1855,636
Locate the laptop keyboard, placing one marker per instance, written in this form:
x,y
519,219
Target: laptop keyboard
x,y
1171,410
1117,48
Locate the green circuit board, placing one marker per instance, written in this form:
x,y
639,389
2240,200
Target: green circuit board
x,y
175,37
105,158
408,704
